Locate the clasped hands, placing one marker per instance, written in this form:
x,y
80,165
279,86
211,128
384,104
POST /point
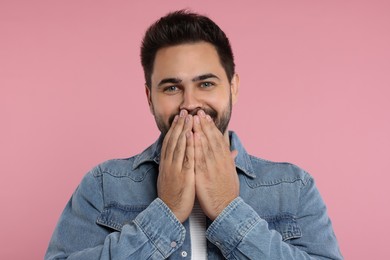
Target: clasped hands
x,y
196,161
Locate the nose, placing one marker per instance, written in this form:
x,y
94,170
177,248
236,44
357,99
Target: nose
x,y
191,102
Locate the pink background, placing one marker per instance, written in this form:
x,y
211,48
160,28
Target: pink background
x,y
315,78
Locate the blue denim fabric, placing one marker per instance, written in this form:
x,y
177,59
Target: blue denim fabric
x,y
115,214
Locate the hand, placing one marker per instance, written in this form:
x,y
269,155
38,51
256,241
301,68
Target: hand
x,y
216,180
176,179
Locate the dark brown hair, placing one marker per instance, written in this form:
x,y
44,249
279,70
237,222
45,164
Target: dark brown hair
x,y
181,27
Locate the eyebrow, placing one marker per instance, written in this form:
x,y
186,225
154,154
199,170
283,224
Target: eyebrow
x,y
205,76
170,80
178,80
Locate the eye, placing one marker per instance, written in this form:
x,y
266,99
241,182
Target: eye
x,y
171,89
206,84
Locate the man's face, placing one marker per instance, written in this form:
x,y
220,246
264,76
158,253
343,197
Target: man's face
x,y
191,77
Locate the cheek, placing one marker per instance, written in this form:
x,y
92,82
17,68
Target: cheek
x,y
218,101
166,106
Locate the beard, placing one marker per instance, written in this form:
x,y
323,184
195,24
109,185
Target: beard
x,y
221,120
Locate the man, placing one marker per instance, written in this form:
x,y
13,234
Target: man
x,y
195,193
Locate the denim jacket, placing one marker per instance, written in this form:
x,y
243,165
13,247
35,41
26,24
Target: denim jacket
x,y
115,214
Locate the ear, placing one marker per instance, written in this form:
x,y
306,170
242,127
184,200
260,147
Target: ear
x,y
234,86
148,93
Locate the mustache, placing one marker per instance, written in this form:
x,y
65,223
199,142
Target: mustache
x,y
209,111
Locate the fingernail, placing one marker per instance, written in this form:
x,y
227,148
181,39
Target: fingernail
x,y
208,118
188,119
196,119
182,113
201,113
175,118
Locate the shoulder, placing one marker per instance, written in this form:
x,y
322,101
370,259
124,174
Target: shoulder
x,y
273,173
119,168
115,167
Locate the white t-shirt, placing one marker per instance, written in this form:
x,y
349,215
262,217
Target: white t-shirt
x,y
198,233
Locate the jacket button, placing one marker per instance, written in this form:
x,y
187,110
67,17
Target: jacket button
x,y
184,254
173,244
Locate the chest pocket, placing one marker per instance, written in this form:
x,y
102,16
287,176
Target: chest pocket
x,y
284,224
115,216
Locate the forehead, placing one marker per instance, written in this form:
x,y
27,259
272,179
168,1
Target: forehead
x,y
186,61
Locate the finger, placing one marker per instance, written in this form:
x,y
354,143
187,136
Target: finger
x,y
207,124
188,163
173,138
212,133
167,136
200,162
197,127
180,149
209,156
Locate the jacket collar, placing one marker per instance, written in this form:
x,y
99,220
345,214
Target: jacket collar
x,y
243,161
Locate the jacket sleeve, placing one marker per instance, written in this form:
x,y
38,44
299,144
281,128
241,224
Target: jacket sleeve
x,y
240,233
154,234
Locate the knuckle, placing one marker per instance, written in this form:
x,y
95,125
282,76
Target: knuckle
x,y
201,166
187,165
178,149
209,153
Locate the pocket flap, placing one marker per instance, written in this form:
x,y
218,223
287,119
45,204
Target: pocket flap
x,y
284,224
115,216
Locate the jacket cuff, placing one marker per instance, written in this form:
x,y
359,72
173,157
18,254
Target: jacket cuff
x,y
232,225
162,227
